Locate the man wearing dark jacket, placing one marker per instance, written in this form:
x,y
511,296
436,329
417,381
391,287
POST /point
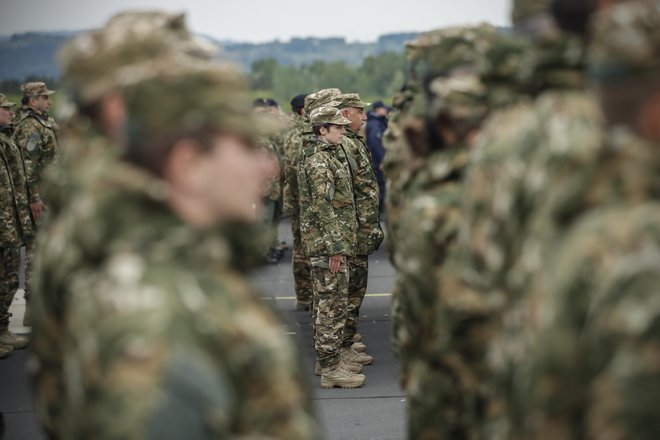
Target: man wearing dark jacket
x,y
376,126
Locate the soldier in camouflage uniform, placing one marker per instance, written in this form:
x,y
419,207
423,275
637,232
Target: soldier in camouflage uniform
x,y
367,198
186,380
290,208
17,224
328,230
591,369
302,271
435,349
36,134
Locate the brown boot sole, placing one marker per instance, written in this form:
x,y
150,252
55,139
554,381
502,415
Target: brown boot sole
x,y
329,384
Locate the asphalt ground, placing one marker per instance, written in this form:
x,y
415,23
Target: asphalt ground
x,y
375,411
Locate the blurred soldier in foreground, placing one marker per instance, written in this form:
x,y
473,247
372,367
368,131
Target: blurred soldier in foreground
x,y
17,224
367,205
594,370
328,230
439,369
292,143
161,335
36,134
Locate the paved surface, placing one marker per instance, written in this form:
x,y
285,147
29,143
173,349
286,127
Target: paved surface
x,y
375,411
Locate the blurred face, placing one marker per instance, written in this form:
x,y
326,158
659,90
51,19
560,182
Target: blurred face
x,y
333,135
381,111
235,174
356,116
41,103
6,116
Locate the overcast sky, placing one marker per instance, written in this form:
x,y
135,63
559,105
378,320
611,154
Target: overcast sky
x,y
262,20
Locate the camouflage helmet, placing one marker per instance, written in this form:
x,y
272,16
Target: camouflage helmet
x,y
524,10
193,97
454,47
325,97
327,115
626,41
348,100
119,54
4,102
36,89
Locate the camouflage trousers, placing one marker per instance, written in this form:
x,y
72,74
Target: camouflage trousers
x,y
358,276
29,257
444,413
9,281
302,270
329,310
270,221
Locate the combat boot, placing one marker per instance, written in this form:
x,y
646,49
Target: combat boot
x,y
357,337
9,338
5,350
359,347
339,377
353,368
353,356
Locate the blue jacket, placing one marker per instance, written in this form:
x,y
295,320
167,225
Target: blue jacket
x,y
376,126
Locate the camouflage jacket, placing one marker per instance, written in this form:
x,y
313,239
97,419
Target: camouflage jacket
x,y
36,135
593,370
16,217
273,187
290,156
328,220
142,327
367,194
430,218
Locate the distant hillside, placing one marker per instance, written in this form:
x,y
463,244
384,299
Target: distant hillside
x,y
34,54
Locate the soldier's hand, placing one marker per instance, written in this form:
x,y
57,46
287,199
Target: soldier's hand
x,y
38,209
335,262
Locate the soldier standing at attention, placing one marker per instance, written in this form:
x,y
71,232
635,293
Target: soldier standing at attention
x,y
16,224
367,200
36,135
292,143
328,230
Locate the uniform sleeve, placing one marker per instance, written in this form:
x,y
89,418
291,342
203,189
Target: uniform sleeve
x,y
293,144
28,138
321,187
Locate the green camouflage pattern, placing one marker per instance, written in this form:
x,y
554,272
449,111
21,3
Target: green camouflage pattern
x,y
135,311
36,136
329,310
328,222
594,373
358,278
10,263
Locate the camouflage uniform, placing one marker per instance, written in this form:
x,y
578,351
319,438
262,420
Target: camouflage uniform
x,y
328,227
17,227
593,316
300,265
294,144
37,136
436,336
179,345
369,233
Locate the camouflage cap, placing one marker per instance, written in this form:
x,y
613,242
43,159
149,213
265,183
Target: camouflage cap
x,y
96,62
325,97
455,47
4,102
327,115
625,40
36,89
348,100
194,97
524,10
